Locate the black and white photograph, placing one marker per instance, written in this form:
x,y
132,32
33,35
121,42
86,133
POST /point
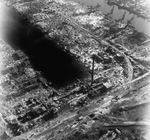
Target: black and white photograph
x,y
74,69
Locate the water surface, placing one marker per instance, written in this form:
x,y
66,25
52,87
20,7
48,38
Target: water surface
x,y
140,24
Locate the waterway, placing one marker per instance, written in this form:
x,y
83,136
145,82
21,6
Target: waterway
x,y
139,23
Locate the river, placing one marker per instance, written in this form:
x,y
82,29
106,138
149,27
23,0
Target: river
x,y
139,23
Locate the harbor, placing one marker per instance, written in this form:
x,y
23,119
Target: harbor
x,y
138,22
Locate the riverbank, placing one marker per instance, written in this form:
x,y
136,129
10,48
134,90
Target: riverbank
x,y
139,23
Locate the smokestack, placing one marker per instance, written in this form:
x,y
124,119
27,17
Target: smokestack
x,y
92,79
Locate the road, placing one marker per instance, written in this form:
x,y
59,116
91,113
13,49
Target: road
x,y
94,106
102,41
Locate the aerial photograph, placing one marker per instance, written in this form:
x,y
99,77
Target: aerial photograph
x,y
74,69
